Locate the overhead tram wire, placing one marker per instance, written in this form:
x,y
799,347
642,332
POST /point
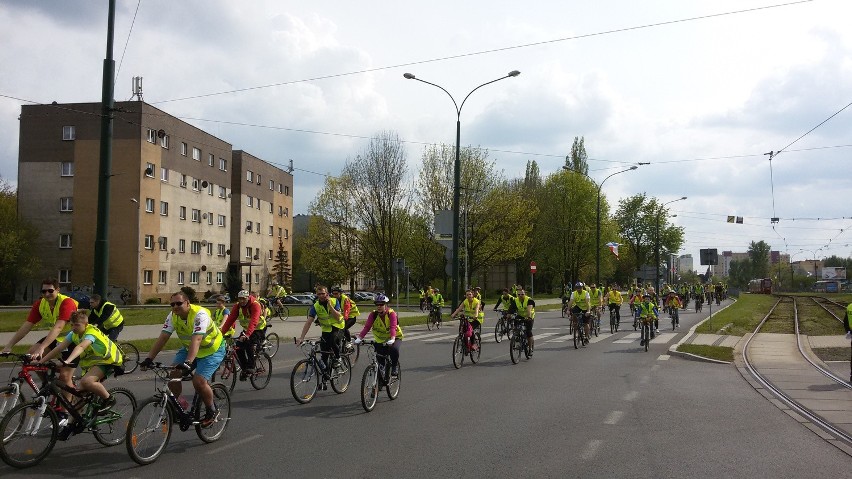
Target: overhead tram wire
x,y
493,50
127,42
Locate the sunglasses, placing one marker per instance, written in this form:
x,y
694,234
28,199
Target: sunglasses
x,y
176,303
47,291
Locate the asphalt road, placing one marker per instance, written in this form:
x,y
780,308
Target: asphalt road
x,y
607,410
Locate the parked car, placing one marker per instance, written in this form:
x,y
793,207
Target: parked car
x,y
298,299
365,296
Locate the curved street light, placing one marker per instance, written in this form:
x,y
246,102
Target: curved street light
x,y
457,175
598,222
657,249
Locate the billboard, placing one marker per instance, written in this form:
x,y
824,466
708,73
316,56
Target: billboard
x,y
833,272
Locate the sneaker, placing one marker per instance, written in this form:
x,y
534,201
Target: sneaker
x,y
335,363
395,371
349,348
243,376
248,371
210,418
106,404
656,331
64,433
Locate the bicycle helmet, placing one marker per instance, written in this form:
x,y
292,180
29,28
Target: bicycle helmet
x,y
381,299
243,294
578,284
337,289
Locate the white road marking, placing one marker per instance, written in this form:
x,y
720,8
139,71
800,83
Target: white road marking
x,y
441,338
235,444
591,449
663,357
614,417
629,338
631,396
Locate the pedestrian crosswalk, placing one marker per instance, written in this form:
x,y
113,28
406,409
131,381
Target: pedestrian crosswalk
x,y
543,335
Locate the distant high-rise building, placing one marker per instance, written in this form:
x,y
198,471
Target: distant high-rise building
x,y
685,264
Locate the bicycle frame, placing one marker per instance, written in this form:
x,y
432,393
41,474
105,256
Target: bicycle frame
x,y
25,376
183,415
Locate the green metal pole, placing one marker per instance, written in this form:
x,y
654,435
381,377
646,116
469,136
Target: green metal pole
x,y
105,170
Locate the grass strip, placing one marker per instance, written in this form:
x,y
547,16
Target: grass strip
x,y
832,354
720,353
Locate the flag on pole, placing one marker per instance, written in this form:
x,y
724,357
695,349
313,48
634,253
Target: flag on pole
x,y
613,247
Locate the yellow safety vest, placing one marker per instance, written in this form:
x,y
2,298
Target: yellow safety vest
x,y
210,342
615,297
115,319
102,351
244,320
325,318
581,301
470,309
647,310
219,319
595,296
52,315
522,307
381,327
353,311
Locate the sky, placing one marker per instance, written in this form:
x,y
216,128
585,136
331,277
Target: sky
x,y
698,90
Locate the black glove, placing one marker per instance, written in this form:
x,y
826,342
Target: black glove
x,y
185,366
146,363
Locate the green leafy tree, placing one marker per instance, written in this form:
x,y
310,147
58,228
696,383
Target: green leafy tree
x,y
578,159
740,273
281,267
423,255
318,252
637,217
18,260
758,253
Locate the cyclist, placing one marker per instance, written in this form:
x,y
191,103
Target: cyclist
x,y
580,303
422,298
203,349
437,301
219,314
614,300
596,295
326,312
55,309
277,292
384,324
350,313
674,305
250,314
477,293
524,308
106,317
648,313
473,314
505,298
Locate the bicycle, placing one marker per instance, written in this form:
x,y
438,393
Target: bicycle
x,y
30,430
646,333
613,320
698,304
278,308
467,343
230,366
503,326
519,343
378,375
565,310
131,357
433,319
271,343
311,373
580,338
675,318
150,426
12,395
595,325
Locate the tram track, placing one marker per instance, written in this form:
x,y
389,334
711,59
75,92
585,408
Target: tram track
x,y
778,315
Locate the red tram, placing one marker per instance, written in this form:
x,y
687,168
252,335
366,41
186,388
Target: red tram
x,y
760,286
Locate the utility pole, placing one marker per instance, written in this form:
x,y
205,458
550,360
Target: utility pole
x,y
105,169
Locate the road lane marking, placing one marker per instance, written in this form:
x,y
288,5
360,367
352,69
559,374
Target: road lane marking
x,y
435,377
663,357
591,449
629,338
235,444
440,338
614,417
631,396
426,336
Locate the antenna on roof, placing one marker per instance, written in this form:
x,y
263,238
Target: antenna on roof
x,y
137,88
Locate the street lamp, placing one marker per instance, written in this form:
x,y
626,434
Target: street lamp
x,y
598,222
657,249
457,175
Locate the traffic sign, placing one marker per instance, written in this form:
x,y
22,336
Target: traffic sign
x,y
532,267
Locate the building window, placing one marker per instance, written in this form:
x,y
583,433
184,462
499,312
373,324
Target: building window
x,y
256,278
249,226
280,232
181,246
196,154
196,185
161,277
249,201
222,192
164,141
193,277
65,241
66,168
149,205
280,188
249,176
164,208
149,170
210,218
286,212
183,148
271,230
147,276
257,203
220,277
183,181
248,252
210,249
210,189
195,247
66,204
269,255
180,277
164,243
270,208
223,164
280,210
257,229
149,241
272,185
221,249
182,212
209,277
69,133
257,252
152,136
211,159
221,220
286,234
258,179
286,191
248,278
164,174
196,216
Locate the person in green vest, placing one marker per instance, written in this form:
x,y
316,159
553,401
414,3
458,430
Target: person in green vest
x,y
220,313
99,358
326,312
277,292
524,307
437,302
203,349
472,313
106,317
350,314
384,324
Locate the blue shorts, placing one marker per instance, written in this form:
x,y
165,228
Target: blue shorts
x,y
205,366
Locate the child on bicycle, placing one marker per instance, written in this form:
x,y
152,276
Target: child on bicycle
x,y
473,313
648,313
384,324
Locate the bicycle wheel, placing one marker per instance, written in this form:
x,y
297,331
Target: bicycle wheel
x,y
597,326
111,425
613,327
570,326
514,350
149,430
227,372
476,348
304,381
577,334
222,401
369,387
498,331
528,350
563,311
429,320
272,344
131,357
458,352
341,376
28,434
262,371
9,398
647,329
394,383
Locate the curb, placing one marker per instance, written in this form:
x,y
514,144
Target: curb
x,y
694,357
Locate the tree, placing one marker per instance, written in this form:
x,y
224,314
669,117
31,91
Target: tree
x,y
740,273
318,255
637,218
578,159
281,267
423,255
758,254
18,260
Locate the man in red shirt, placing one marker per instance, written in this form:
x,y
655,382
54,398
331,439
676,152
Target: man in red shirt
x,y
250,314
54,308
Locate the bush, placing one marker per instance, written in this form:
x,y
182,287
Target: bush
x,y
190,293
153,301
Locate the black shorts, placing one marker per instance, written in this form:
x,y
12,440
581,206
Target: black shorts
x,y
65,353
584,317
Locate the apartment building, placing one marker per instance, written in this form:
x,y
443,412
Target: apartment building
x,y
178,209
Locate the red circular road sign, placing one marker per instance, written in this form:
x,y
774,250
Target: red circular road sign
x,y
532,267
